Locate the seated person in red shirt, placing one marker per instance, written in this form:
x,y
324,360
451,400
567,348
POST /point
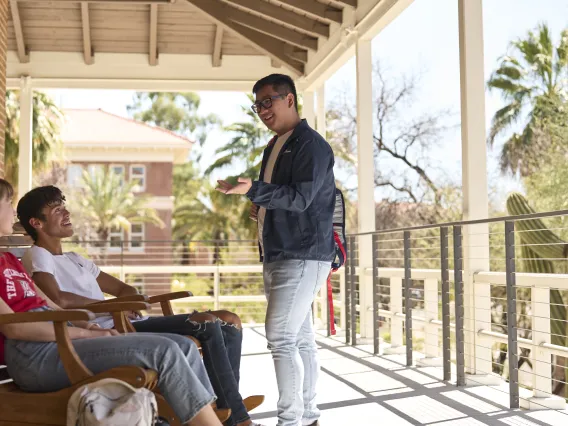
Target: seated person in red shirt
x,y
31,356
72,281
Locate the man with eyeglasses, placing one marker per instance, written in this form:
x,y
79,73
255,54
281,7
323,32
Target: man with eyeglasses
x,y
293,202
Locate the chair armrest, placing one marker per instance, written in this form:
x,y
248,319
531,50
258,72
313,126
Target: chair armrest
x,y
170,296
74,367
47,316
118,307
133,298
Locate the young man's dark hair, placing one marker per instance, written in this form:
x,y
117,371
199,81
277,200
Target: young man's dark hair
x,y
32,204
281,83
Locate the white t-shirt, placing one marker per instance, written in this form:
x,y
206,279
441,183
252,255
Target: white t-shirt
x,y
73,273
267,177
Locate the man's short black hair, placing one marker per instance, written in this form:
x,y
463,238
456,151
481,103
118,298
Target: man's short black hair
x,y
281,83
32,204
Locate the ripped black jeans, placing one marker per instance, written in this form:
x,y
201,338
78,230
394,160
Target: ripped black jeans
x,y
221,344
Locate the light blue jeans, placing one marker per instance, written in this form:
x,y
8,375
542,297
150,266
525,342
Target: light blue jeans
x,y
182,379
290,287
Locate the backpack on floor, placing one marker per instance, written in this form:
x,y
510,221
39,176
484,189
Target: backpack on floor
x,y
111,402
340,251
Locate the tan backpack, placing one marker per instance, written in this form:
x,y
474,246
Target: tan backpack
x,y
111,402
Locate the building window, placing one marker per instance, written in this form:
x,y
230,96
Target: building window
x,y
116,237
138,175
94,169
136,236
118,170
75,176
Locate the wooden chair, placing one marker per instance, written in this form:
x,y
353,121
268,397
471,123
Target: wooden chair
x,y
19,408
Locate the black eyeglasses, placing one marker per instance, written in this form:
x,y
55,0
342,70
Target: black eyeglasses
x,y
265,103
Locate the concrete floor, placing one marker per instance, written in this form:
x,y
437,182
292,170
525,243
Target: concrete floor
x,y
357,388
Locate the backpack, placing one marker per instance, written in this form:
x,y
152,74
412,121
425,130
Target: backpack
x,y
340,251
111,402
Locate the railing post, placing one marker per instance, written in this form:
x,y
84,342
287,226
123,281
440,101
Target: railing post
x,y
326,306
407,297
353,297
459,293
376,281
216,288
446,350
512,348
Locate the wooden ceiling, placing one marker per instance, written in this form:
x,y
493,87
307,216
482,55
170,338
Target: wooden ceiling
x,y
285,30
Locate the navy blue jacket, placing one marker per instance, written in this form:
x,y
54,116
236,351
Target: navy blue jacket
x,y
300,199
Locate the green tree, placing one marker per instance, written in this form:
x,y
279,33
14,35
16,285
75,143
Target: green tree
x,y
246,147
107,202
47,118
531,79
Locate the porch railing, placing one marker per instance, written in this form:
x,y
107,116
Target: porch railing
x,y
489,324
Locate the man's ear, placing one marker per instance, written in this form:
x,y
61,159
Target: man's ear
x,y
291,100
36,223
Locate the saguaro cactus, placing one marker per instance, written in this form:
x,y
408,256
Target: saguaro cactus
x,y
543,245
539,245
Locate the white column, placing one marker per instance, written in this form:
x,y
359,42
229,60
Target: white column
x,y
366,180
320,110
25,141
474,182
397,342
431,331
308,108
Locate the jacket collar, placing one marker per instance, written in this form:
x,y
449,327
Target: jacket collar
x,y
302,125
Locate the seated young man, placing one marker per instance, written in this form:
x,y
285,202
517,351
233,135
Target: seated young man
x,y
73,281
32,358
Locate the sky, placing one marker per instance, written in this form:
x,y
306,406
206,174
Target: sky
x,y
422,41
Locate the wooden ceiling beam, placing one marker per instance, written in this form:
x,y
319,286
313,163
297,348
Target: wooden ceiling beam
x,y
271,28
283,15
316,8
217,46
352,3
268,45
23,55
88,51
153,45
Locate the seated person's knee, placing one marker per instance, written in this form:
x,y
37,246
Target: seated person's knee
x,y
229,318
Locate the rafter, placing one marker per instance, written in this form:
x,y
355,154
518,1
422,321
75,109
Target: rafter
x,y
316,8
287,16
269,45
88,52
153,49
23,55
271,28
352,3
217,46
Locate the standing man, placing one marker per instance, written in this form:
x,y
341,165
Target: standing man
x,y
294,201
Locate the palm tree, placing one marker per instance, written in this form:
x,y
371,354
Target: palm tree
x,y
107,202
246,146
533,79
47,118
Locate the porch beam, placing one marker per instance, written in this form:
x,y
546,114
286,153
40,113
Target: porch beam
x,y
20,43
153,50
316,8
352,3
308,108
477,298
271,28
3,79
268,45
280,14
365,180
25,141
88,53
217,46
